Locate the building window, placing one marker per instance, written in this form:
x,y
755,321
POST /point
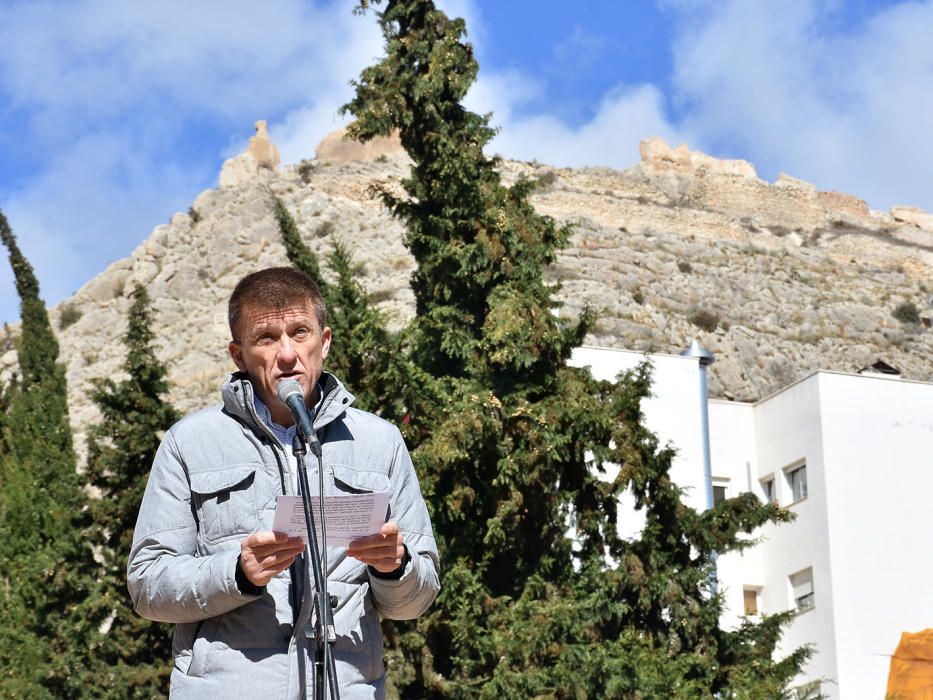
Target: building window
x,y
797,482
720,489
768,490
807,691
801,585
750,596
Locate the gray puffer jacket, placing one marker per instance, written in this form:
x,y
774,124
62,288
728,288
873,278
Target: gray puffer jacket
x,y
214,481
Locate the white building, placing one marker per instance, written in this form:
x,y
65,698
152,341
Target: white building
x,y
852,456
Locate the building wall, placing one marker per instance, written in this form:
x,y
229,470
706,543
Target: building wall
x,y
734,464
878,447
864,527
672,413
788,432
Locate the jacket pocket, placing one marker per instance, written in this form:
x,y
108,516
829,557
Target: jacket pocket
x,y
197,662
183,642
224,501
350,480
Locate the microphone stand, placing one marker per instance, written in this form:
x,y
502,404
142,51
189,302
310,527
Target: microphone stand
x,y
325,671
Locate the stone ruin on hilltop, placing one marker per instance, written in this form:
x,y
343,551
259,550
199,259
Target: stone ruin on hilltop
x,y
778,280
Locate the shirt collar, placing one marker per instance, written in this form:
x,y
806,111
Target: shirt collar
x,y
284,434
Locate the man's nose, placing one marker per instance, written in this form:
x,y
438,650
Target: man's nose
x,y
287,353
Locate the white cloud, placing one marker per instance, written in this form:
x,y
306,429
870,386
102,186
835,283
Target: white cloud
x,y
351,45
95,58
469,11
117,99
93,207
299,133
623,118
790,87
625,115
795,89
502,93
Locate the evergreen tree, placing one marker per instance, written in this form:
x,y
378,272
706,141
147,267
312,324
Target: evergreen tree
x,y
364,355
512,445
367,355
130,657
299,254
45,556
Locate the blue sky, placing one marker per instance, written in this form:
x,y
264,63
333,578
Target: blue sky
x,y
114,115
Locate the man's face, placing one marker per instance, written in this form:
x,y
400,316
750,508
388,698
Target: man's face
x,y
280,344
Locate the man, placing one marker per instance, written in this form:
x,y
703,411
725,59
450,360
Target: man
x,y
204,556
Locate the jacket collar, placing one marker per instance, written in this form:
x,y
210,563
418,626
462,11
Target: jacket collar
x,y
239,400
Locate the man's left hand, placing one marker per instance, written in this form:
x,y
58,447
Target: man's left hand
x,y
382,551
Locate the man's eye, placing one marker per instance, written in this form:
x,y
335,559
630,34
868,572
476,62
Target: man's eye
x,y
265,340
301,334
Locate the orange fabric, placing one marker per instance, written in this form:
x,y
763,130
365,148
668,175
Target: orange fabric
x,y
911,674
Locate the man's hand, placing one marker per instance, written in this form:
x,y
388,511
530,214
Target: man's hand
x,y
264,554
382,551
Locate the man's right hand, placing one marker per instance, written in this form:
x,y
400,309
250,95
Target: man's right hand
x,y
264,554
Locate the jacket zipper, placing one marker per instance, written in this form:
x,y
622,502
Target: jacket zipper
x,y
328,399
251,409
275,445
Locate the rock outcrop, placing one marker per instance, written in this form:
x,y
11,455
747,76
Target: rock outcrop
x,y
337,149
914,217
656,155
777,279
263,151
260,155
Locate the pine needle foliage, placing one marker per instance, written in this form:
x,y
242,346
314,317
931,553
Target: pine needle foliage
x,y
46,559
299,254
367,353
513,447
364,355
130,657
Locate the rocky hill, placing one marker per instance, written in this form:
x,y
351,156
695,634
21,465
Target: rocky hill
x,y
776,279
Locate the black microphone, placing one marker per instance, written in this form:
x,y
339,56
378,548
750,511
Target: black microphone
x,y
291,394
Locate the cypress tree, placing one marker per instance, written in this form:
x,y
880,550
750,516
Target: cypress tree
x,y
130,657
512,446
364,355
298,253
46,559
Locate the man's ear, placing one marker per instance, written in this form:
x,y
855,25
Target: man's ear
x,y
325,342
236,354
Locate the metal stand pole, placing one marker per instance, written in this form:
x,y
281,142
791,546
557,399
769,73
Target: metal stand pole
x,y
325,672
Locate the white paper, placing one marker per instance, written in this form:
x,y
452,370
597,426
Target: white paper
x,y
349,516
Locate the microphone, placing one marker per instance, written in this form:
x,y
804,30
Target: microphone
x,y
291,394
